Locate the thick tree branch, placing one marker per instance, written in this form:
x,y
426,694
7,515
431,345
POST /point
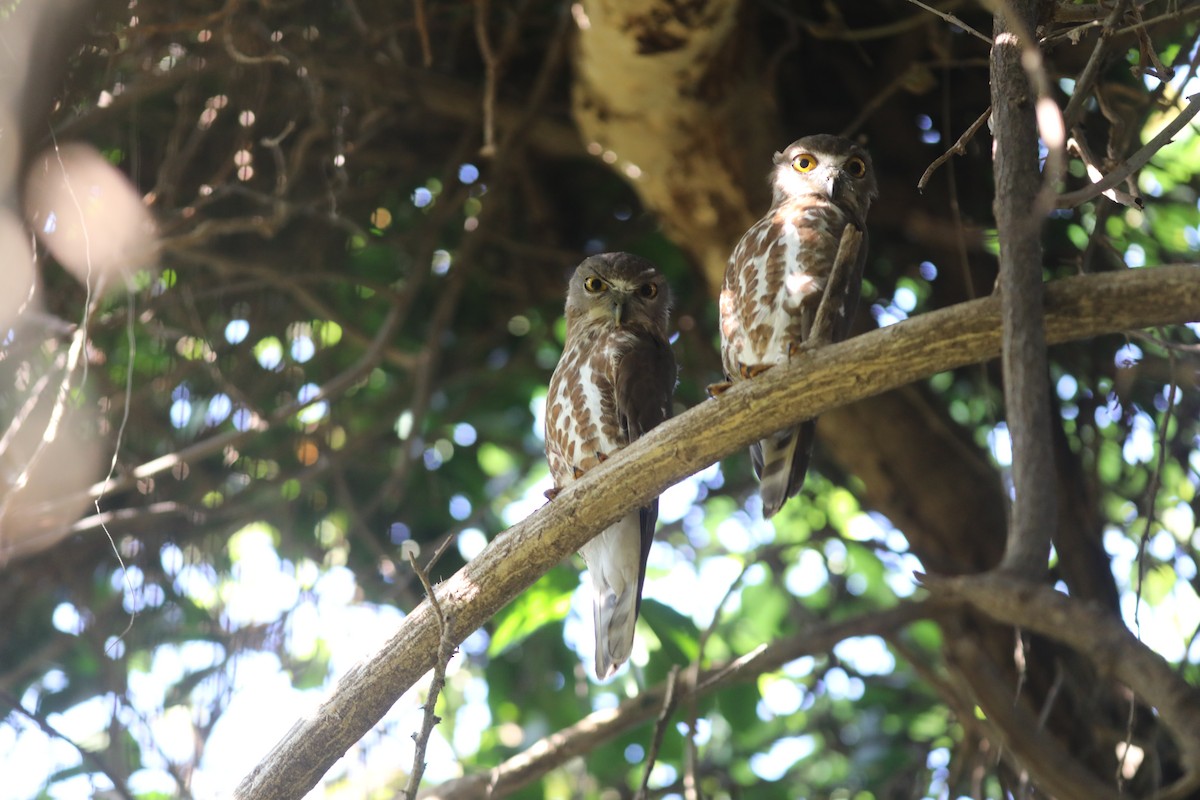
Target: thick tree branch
x,y
1104,639
1016,728
1026,372
863,366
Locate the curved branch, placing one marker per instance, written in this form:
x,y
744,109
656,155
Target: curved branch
x,y
824,379
1104,639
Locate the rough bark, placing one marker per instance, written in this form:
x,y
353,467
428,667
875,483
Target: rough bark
x,y
861,367
1026,372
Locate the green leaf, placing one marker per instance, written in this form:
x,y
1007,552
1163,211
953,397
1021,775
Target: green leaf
x,y
546,601
676,633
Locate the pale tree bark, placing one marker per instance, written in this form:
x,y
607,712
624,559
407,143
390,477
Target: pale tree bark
x,y
665,93
860,367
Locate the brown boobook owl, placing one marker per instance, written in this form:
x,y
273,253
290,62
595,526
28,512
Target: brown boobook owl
x,y
777,276
613,383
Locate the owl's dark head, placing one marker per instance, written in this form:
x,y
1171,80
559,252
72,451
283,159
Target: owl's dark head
x,y
830,167
619,290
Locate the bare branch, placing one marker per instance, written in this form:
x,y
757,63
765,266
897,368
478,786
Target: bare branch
x,y
826,378
1087,78
958,149
836,287
1102,638
446,648
660,728
953,20
1078,145
1135,161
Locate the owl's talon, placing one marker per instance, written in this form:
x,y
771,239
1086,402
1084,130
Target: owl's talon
x,y
717,389
795,349
753,370
577,472
552,493
601,457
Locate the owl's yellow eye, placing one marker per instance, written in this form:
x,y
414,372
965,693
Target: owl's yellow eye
x,y
648,291
593,284
856,167
804,163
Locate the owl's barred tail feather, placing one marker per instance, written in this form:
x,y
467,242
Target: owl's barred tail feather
x,y
613,560
781,462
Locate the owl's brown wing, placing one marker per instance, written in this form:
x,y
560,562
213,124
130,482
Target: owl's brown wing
x,y
849,305
644,383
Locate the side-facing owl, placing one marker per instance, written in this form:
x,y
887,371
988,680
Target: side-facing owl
x,y
613,383
777,276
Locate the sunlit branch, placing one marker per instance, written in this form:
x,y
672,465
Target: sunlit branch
x,y
446,648
1135,161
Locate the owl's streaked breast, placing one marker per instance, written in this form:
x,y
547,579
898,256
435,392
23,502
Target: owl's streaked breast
x,y
777,268
581,413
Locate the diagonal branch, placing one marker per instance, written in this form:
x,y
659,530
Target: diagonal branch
x,y
863,366
1135,161
1104,639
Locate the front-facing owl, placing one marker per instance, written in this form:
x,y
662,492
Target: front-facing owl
x,y
777,276
613,383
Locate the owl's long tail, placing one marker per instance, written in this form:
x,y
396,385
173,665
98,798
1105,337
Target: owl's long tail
x,y
618,568
781,462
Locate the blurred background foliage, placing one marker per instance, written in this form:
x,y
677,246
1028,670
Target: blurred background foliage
x,y
343,344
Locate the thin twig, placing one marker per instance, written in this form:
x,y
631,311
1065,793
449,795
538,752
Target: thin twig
x,y
1158,341
446,649
1176,16
1135,161
1163,73
490,70
958,149
1083,84
660,728
836,288
953,20
1152,491
1078,145
423,33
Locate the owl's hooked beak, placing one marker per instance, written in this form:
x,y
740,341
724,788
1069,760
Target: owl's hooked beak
x,y
836,181
618,308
